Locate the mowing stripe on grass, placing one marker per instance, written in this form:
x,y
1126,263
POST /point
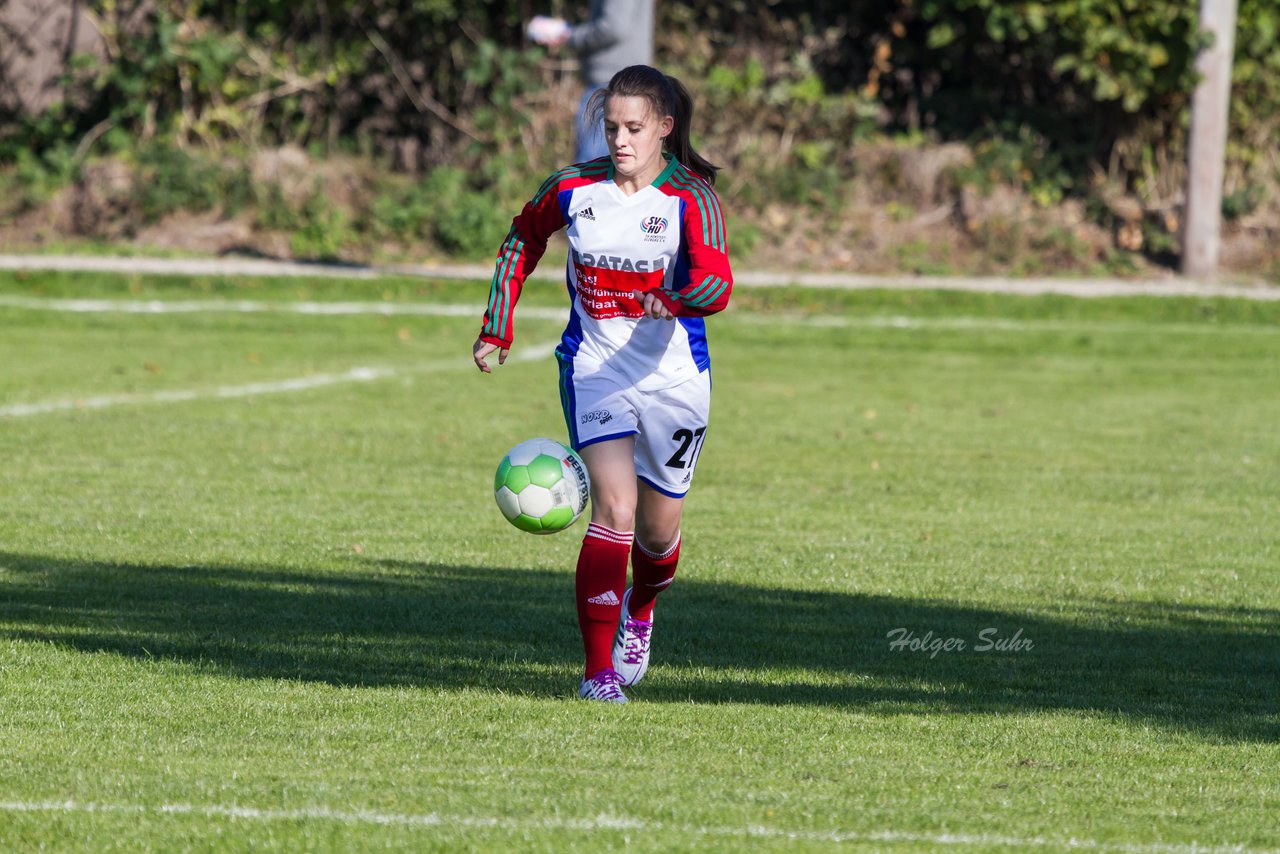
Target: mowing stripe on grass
x,y
355,375
335,309
606,822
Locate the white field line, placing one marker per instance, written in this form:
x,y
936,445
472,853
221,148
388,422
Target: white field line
x,y
995,324
122,306
606,823
1163,287
355,375
184,266
326,309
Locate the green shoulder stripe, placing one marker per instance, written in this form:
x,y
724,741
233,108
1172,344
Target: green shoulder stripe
x,y
684,181
708,208
590,169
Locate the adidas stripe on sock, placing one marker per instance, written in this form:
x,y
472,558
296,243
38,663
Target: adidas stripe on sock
x,y
599,582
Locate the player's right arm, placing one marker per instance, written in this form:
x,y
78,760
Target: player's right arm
x,y
517,257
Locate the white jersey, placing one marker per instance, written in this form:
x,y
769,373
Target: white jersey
x,y
668,237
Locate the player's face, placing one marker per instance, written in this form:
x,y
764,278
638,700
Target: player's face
x,y
635,133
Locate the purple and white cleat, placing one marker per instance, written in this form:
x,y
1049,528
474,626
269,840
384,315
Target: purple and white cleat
x,y
631,645
604,687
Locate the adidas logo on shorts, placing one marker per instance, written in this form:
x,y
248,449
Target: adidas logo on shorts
x,y
587,213
606,598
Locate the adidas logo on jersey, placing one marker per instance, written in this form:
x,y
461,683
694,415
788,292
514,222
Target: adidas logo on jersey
x,y
587,213
606,598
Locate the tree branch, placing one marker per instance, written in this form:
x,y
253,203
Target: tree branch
x,y
424,103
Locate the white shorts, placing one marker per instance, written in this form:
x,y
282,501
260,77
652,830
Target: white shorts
x,y
669,424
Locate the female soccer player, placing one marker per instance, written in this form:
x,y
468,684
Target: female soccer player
x,y
647,262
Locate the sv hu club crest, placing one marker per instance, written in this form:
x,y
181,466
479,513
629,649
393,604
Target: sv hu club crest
x,y
653,225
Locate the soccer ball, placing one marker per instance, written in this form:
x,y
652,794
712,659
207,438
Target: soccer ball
x,y
541,486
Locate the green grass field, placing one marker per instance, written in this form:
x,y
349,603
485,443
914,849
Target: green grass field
x,y
255,593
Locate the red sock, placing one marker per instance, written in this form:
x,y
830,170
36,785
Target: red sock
x,y
599,584
650,575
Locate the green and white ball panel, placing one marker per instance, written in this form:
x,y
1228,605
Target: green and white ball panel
x,y
558,519
508,502
545,471
536,501
541,486
524,453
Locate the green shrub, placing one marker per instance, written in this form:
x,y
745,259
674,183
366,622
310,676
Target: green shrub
x,y
36,176
467,222
1022,160
324,232
403,213
445,208
167,179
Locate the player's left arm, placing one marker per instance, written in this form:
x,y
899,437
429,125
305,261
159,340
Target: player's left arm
x,y
710,276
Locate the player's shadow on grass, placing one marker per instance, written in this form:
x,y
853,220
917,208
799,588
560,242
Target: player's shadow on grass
x,y
1213,670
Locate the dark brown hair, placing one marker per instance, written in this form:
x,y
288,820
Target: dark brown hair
x,y
668,97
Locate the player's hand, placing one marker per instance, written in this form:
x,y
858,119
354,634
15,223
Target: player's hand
x,y
483,348
653,307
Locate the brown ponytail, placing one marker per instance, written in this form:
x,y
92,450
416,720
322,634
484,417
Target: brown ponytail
x,y
668,97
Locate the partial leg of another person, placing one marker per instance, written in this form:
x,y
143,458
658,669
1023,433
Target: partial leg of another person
x,y
588,132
